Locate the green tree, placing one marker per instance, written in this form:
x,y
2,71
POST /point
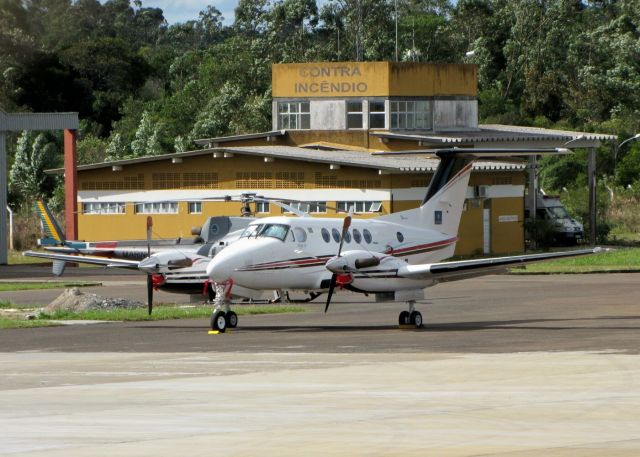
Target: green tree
x,y
34,155
147,138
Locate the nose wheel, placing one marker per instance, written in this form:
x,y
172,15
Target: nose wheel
x,y
410,317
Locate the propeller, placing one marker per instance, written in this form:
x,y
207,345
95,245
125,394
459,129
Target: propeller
x,y
149,276
334,277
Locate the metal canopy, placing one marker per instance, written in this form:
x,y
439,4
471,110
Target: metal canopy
x,y
16,122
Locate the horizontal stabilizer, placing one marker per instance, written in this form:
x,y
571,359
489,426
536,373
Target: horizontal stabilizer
x,y
121,263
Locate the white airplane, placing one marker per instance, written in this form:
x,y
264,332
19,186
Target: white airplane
x,y
395,256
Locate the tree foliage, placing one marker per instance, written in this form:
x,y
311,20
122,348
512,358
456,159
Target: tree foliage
x,y
143,86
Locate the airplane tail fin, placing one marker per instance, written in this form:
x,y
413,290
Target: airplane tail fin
x,y
52,231
442,206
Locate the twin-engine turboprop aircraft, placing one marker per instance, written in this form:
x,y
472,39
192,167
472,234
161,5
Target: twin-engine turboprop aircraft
x,y
394,256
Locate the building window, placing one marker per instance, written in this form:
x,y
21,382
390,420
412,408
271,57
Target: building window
x,y
359,207
410,115
103,208
354,115
294,115
308,207
195,207
376,115
157,208
262,207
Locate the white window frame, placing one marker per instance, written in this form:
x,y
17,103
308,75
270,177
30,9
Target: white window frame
x,y
308,207
194,207
377,113
411,115
91,208
350,113
263,208
294,115
359,206
156,208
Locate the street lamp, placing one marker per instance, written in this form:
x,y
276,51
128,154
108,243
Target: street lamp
x,y
618,146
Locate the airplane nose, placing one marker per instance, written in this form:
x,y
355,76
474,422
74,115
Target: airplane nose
x,y
219,269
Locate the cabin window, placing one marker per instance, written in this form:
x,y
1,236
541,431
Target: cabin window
x,y
157,208
347,236
294,115
400,237
325,235
367,236
102,208
437,217
301,235
376,115
195,207
354,115
336,235
356,236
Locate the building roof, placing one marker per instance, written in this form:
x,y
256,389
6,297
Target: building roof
x,y
215,142
15,122
389,164
498,133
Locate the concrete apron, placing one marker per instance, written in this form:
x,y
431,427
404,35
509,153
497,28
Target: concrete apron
x,y
127,404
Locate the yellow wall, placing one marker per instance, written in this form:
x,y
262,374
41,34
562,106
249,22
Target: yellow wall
x,y
506,236
372,79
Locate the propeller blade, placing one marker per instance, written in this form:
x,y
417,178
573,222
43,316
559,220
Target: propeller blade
x,y
149,294
345,226
332,286
149,227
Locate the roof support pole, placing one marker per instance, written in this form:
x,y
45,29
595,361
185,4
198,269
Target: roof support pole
x,y
70,185
4,179
591,171
532,191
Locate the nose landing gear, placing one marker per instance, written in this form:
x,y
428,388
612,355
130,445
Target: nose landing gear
x,y
410,317
222,316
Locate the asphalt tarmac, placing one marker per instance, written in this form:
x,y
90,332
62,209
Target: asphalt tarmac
x,y
505,365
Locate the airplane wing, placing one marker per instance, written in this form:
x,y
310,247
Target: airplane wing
x,y
107,262
452,271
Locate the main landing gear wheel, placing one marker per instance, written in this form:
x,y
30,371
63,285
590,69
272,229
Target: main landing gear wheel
x,y
219,321
403,318
232,319
415,318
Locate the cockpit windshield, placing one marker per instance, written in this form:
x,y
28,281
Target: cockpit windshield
x,y
251,230
272,230
275,231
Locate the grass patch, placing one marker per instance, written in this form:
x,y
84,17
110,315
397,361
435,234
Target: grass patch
x,y
4,304
166,312
616,260
13,286
16,258
9,322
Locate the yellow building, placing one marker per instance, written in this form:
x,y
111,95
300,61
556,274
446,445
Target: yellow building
x,y
327,120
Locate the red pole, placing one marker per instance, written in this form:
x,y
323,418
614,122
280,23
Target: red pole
x,y
70,185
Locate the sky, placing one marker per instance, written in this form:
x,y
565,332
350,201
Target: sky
x,y
186,10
